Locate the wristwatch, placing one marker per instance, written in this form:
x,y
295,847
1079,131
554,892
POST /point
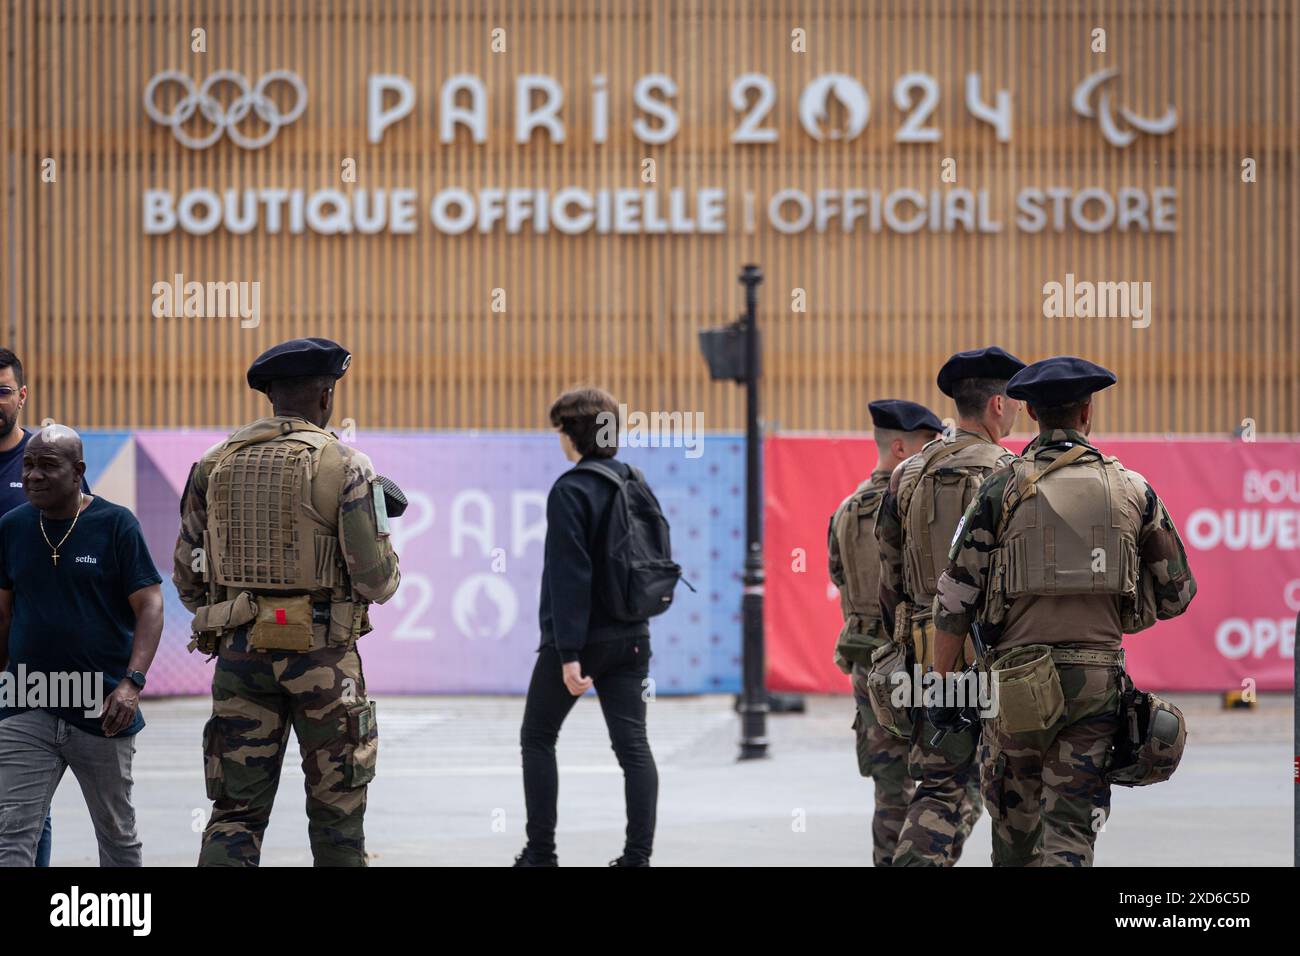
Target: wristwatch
x,y
136,678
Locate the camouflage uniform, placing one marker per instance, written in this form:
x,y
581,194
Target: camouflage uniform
x,y
258,694
881,755
946,804
1046,791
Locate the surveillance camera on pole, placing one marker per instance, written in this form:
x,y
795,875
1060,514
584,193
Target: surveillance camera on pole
x,y
732,353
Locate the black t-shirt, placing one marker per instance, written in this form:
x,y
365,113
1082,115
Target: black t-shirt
x,y
11,476
74,616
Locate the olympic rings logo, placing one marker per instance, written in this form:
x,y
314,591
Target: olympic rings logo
x,y
225,119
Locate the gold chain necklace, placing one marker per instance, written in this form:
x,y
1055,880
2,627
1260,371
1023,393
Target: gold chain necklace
x,y
55,547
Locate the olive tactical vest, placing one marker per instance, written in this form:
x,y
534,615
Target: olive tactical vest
x,y
1069,526
854,527
265,533
936,486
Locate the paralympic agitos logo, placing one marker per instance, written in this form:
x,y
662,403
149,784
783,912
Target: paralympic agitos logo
x,y
831,106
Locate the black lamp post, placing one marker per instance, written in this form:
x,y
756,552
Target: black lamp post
x,y
732,352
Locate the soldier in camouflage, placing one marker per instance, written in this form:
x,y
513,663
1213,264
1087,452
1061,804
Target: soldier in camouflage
x,y
900,429
1024,567
918,515
283,544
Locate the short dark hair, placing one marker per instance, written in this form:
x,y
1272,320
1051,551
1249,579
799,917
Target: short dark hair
x,y
884,436
9,360
972,394
585,414
1059,416
299,390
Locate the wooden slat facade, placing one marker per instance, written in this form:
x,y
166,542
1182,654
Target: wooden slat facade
x,y
883,310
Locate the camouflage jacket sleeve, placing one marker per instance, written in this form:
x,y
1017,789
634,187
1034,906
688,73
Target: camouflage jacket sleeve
x,y
188,560
961,587
366,548
1164,559
889,539
834,563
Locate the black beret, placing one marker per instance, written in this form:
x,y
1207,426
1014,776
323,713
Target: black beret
x,y
394,498
297,358
903,416
991,362
1060,380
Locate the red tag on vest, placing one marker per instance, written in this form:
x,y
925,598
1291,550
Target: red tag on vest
x,y
280,616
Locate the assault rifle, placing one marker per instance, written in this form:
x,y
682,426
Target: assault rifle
x,y
969,716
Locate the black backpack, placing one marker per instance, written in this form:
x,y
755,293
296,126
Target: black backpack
x,y
636,573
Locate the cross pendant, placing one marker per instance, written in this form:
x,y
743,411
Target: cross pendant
x,y
56,559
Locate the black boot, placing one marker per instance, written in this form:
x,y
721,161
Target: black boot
x,y
626,860
528,858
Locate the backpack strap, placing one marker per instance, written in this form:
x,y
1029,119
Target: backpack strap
x,y
866,503
609,472
951,449
1069,457
1025,486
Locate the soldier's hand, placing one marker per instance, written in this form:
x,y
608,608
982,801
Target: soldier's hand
x,y
948,719
119,709
573,679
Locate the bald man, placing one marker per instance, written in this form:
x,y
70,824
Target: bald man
x,y
80,618
13,442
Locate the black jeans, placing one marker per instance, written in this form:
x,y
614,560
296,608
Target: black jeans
x,y
618,669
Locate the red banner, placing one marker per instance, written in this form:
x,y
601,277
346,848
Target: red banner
x,y
1236,505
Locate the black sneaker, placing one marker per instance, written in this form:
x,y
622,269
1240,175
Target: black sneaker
x,y
528,858
626,860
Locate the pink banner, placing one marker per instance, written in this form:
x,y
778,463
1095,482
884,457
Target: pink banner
x,y
1236,505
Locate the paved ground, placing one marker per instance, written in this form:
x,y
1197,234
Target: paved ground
x,y
449,790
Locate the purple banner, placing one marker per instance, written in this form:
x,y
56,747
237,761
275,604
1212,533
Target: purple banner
x,y
470,544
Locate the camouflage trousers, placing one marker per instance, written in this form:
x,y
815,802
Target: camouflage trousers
x,y
1047,792
883,758
256,698
946,804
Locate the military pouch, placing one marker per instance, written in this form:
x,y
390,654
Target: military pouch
x,y
363,737
283,624
1028,690
922,641
213,619
884,688
995,591
856,645
902,623
1138,611
344,625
